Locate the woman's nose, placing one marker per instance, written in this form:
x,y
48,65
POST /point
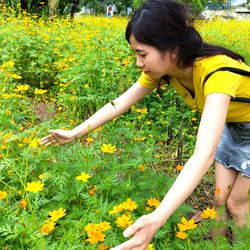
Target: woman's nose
x,y
139,63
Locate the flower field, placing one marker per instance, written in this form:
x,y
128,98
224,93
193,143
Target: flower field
x,y
84,194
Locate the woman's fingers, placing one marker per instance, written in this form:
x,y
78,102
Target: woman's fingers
x,y
142,230
133,228
50,140
57,137
126,245
45,139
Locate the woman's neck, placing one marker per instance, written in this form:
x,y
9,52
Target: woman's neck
x,y
185,78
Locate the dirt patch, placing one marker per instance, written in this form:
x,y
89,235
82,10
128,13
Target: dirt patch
x,y
44,112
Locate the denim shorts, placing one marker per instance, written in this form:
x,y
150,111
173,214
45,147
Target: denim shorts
x,y
234,147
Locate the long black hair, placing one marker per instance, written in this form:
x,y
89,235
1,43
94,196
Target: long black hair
x,y
165,25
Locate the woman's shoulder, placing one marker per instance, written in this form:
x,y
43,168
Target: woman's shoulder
x,y
147,81
211,63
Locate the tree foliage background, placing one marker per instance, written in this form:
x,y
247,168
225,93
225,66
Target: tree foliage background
x,y
99,6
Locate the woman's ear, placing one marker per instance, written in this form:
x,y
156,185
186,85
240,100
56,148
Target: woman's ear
x,y
174,53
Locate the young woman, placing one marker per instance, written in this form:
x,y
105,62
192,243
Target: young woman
x,y
168,48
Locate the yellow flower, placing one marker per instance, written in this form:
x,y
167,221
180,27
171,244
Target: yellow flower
x,y
129,205
208,213
4,146
6,96
138,139
104,226
150,247
48,227
3,195
9,65
181,235
7,136
116,209
108,148
41,176
91,227
22,88
40,91
7,112
57,214
26,140
187,224
164,87
124,221
153,202
83,177
34,186
142,110
89,139
15,76
23,203
34,143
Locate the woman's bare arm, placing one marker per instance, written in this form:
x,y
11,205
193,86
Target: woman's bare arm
x,y
106,113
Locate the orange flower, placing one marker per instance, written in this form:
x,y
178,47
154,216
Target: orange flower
x,y
129,205
217,191
141,110
23,203
104,226
179,167
153,202
181,235
103,247
187,224
95,237
47,228
208,213
98,129
141,168
92,191
124,221
95,231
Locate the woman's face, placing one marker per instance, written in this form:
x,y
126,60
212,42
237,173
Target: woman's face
x,y
152,61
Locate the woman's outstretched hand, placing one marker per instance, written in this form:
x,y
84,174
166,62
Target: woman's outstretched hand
x,y
58,137
143,231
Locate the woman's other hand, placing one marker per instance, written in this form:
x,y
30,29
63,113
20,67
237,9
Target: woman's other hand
x,y
143,230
